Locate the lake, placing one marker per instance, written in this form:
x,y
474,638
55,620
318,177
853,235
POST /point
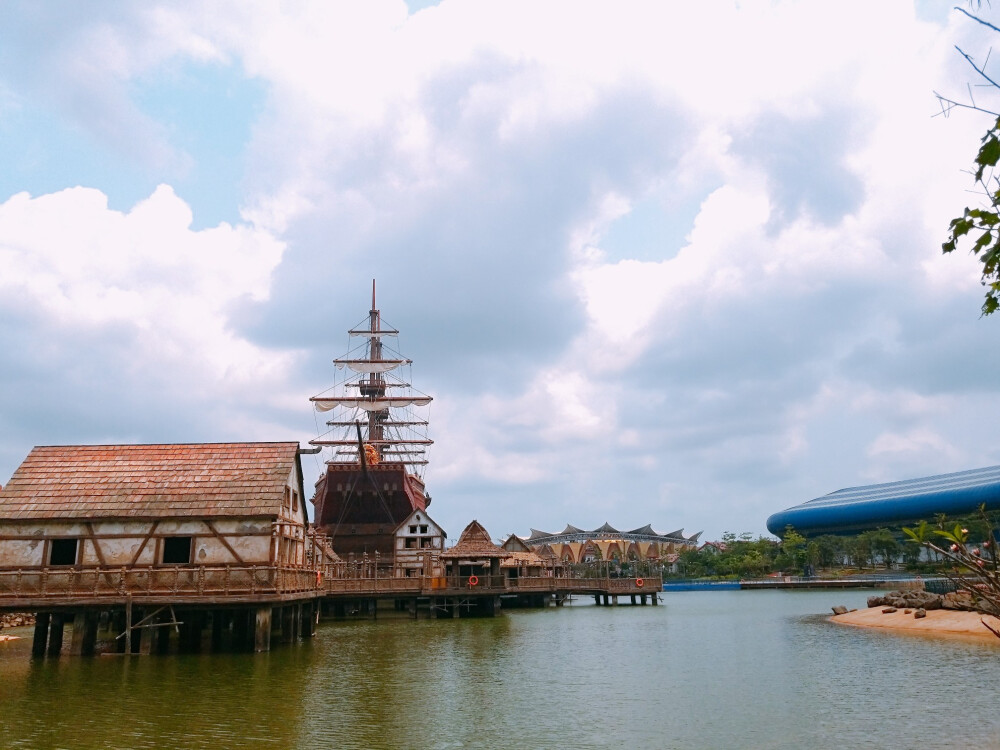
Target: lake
x,y
747,669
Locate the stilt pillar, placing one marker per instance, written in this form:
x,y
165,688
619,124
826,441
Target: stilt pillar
x,y
218,630
56,634
287,623
241,630
84,633
454,608
597,599
41,637
262,629
307,622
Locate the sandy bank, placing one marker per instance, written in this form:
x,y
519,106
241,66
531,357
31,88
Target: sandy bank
x,y
944,623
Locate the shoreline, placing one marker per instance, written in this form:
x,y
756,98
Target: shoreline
x,y
939,623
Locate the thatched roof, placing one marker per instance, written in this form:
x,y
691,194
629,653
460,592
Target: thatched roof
x,y
474,544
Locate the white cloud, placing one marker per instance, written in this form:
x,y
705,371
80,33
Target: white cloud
x,y
80,267
792,337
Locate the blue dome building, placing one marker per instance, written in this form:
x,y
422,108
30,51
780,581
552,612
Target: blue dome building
x,y
878,505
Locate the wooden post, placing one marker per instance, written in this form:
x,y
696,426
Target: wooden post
x,y
454,607
56,634
241,630
218,620
128,624
597,599
84,633
262,629
147,634
654,599
41,637
287,615
162,633
196,620
307,619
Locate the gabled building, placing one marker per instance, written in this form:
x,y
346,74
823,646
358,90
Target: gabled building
x,y
154,506
86,529
419,544
475,556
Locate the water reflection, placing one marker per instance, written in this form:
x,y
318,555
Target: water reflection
x,y
715,669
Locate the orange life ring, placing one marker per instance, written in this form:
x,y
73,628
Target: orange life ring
x,y
639,582
473,580
319,578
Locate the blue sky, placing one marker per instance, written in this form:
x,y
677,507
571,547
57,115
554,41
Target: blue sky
x,y
663,263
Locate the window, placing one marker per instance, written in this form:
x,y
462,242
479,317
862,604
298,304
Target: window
x,y
413,529
411,543
63,552
176,550
423,529
295,501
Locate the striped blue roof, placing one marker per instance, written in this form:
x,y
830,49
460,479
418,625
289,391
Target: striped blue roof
x,y
894,503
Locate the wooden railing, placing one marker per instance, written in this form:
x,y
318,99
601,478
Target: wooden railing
x,y
247,582
450,585
179,582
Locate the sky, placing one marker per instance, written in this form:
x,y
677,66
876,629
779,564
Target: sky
x,y
657,262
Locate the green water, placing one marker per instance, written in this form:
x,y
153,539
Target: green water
x,y
759,669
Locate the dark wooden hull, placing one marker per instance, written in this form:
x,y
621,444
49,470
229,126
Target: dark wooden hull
x,y
360,509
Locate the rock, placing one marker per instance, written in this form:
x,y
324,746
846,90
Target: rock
x,y
907,611
920,613
876,601
840,609
888,610
961,601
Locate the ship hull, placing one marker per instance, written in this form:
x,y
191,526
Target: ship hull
x,y
359,508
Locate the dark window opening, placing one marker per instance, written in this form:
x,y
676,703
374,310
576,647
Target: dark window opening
x,y
63,552
423,529
176,550
411,543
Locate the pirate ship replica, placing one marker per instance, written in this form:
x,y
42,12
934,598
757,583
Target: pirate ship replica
x,y
377,441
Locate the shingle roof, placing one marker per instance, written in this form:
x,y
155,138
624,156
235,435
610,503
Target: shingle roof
x,y
475,543
149,481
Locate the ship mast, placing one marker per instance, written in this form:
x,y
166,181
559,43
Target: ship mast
x,y
368,401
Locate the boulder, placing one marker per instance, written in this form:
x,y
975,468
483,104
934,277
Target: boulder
x,y
840,609
920,613
889,610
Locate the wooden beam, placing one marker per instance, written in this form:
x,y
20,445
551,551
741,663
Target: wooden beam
x,y
97,547
145,541
225,543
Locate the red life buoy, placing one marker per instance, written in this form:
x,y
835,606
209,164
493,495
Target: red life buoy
x,y
473,580
639,582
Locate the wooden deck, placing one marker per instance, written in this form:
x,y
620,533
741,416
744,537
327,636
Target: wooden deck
x,y
52,587
49,587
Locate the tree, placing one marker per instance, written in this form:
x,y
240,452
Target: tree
x,y
981,224
974,567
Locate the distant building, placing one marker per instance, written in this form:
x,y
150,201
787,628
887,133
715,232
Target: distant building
x,y
419,544
574,545
873,506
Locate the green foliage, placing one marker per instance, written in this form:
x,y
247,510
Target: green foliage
x,y
972,565
982,225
